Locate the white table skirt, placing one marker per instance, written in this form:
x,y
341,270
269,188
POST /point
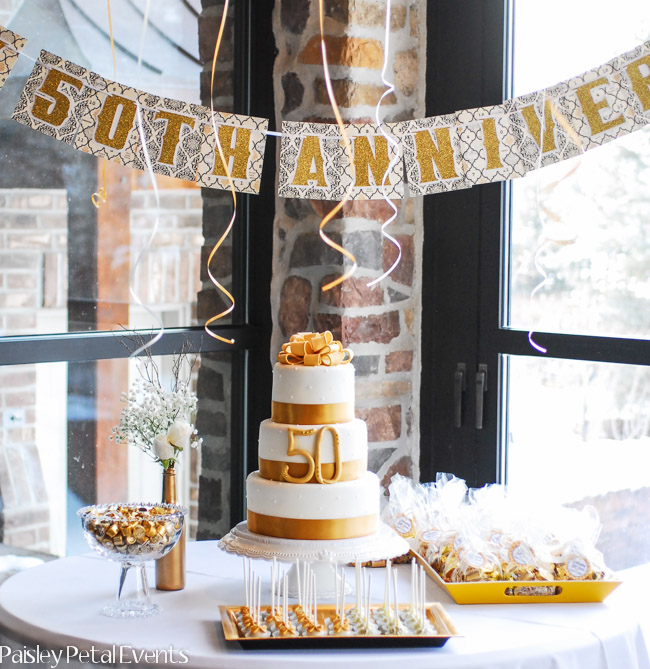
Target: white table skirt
x,y
56,606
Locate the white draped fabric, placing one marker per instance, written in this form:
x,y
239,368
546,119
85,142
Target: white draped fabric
x,y
56,606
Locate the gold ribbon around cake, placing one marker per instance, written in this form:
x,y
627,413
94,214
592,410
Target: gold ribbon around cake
x,y
272,470
314,348
311,414
307,528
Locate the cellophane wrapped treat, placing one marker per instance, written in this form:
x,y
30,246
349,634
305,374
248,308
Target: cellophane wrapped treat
x,y
487,534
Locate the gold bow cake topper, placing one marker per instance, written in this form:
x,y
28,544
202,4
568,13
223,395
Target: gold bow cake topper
x,y
314,348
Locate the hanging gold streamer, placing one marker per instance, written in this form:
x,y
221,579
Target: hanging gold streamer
x,y
348,150
231,184
100,197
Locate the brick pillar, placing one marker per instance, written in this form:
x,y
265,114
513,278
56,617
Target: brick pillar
x,y
381,323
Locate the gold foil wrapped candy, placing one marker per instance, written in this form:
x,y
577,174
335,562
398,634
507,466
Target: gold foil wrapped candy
x,y
477,566
131,530
444,554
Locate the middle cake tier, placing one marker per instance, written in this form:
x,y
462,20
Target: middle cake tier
x,y
341,450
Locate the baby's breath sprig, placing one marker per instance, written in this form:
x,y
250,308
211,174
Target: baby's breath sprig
x,y
160,422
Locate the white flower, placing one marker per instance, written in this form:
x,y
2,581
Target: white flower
x,y
161,446
179,434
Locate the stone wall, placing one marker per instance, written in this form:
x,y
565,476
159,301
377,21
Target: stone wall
x,y
381,323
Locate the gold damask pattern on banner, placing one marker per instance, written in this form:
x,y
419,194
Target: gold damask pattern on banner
x,y
314,164
11,45
243,140
100,117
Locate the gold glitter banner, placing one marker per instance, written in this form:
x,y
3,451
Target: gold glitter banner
x,y
472,146
98,116
10,47
433,155
314,164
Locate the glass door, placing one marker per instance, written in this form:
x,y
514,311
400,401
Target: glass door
x,y
575,271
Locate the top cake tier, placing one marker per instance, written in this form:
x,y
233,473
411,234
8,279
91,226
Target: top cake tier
x,y
313,382
313,385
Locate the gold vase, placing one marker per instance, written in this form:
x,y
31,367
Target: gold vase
x,y
170,569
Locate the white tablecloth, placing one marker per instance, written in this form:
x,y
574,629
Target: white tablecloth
x,y
56,606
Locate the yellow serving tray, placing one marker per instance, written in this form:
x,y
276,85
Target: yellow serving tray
x,y
495,592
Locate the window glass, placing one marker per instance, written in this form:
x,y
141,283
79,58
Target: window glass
x,y
579,433
56,454
581,222
66,265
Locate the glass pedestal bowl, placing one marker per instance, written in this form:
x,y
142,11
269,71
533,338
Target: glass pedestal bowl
x,y
132,534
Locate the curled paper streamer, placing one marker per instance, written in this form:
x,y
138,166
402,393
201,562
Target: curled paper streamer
x,y
390,88
231,185
100,197
551,234
348,150
152,176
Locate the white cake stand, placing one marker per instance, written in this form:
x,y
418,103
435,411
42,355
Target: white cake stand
x,y
322,554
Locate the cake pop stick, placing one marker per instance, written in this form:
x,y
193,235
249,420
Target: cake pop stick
x,y
298,579
246,597
337,594
250,580
285,607
387,586
368,598
357,582
423,608
413,586
395,599
273,574
306,569
313,610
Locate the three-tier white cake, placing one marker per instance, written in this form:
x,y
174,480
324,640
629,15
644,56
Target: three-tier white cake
x,y
313,481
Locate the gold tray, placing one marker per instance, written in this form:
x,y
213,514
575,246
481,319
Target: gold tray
x,y
496,592
436,615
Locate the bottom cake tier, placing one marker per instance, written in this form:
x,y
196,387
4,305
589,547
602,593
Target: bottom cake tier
x,y
312,510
